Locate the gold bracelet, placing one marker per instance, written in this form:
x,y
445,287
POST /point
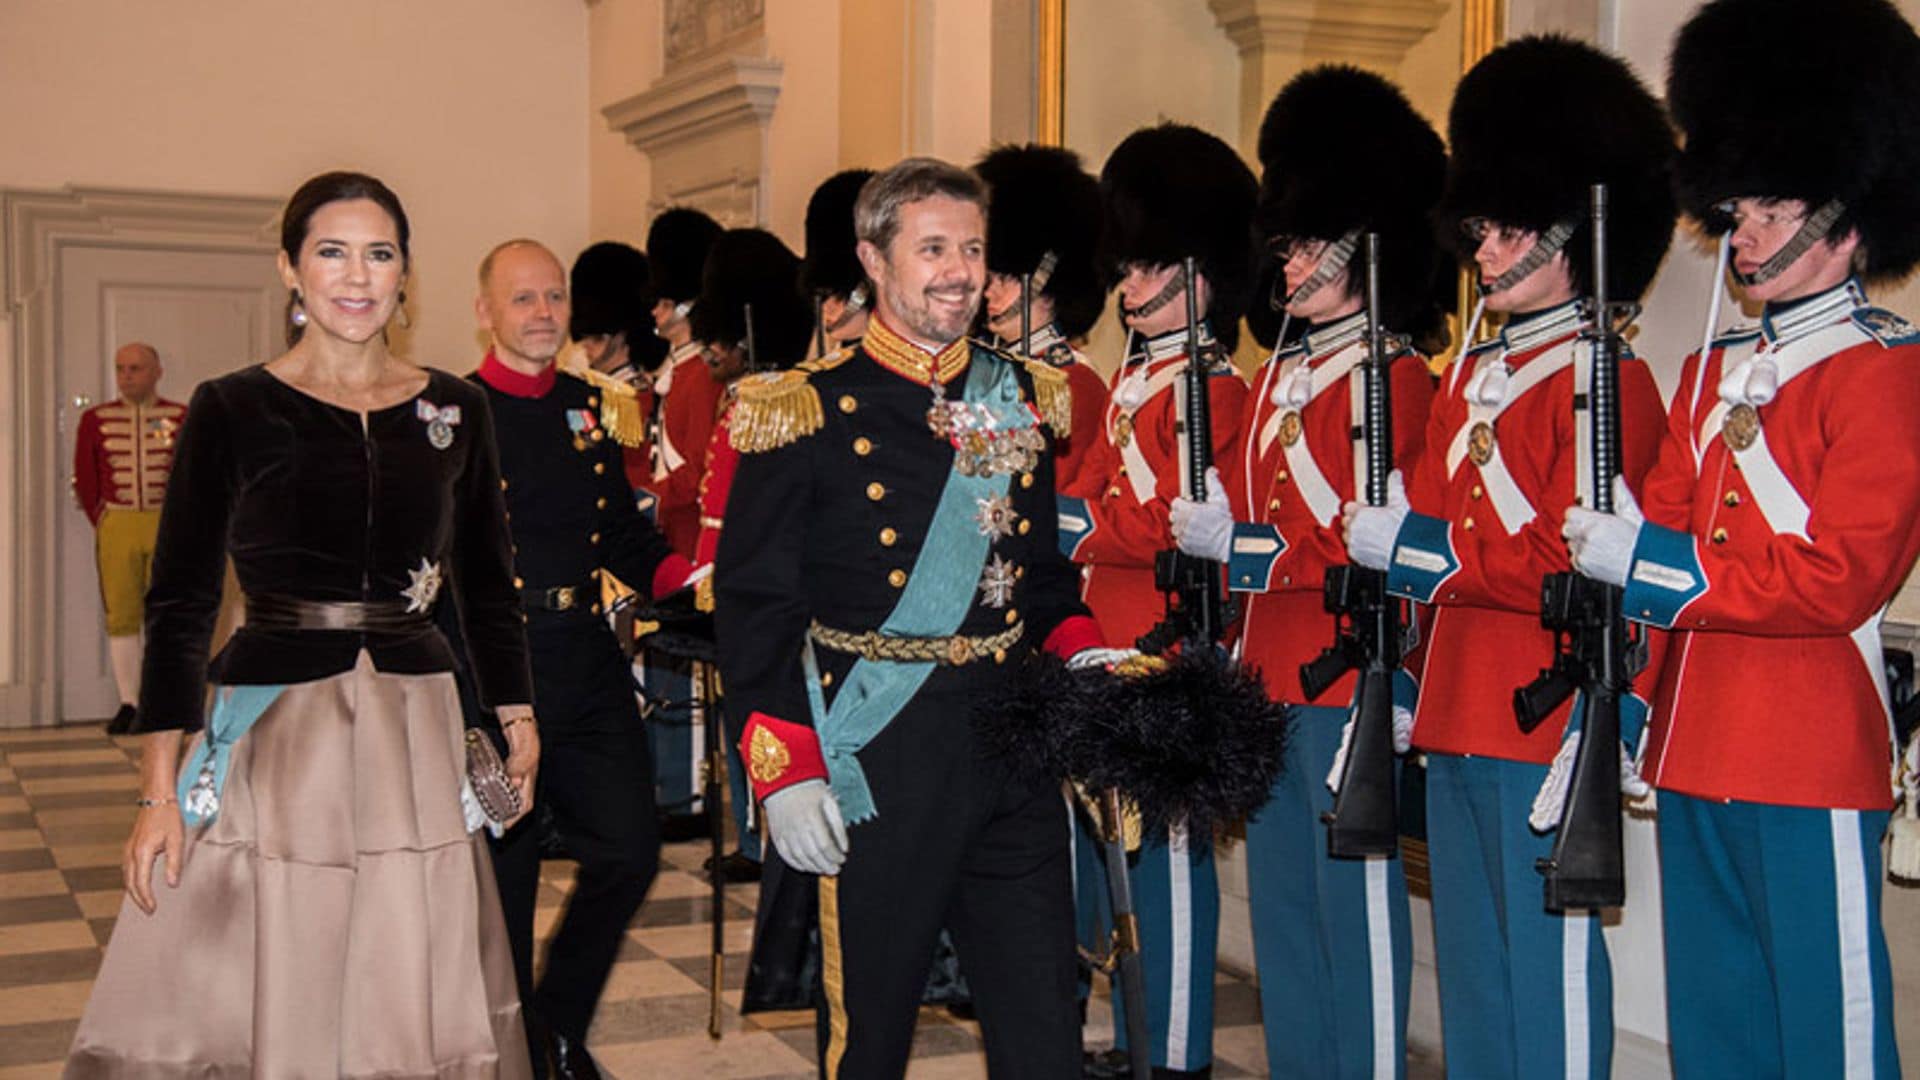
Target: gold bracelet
x,y
148,804
524,718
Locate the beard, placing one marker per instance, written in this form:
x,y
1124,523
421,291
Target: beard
x,y
927,323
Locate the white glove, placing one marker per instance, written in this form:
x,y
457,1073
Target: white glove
x,y
1204,529
804,819
1099,658
1552,796
1601,545
1402,742
1371,530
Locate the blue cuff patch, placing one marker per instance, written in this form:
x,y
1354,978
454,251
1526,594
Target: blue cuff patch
x,y
1664,577
1423,558
1250,559
1076,523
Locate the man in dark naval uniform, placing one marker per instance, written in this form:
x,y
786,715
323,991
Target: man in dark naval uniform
x,y
889,556
571,516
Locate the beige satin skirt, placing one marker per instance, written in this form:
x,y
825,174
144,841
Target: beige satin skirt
x,y
335,920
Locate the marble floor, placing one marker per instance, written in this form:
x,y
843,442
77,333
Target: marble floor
x,y
66,799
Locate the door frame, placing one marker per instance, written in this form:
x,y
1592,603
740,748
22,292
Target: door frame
x,y
36,228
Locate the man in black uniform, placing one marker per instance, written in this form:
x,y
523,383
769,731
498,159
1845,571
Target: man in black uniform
x,y
571,515
889,555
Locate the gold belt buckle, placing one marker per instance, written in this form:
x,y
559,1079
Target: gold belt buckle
x,y
959,650
560,598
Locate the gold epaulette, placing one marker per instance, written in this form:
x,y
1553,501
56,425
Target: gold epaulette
x,y
775,409
1054,395
828,361
620,412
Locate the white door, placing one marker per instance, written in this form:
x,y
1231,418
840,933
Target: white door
x,y
207,313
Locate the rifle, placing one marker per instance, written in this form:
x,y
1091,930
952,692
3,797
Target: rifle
x,y
1365,820
1201,610
713,774
1596,651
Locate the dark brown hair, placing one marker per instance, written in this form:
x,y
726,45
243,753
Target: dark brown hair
x,y
333,187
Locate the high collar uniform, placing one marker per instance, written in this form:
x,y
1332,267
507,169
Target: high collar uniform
x,y
123,453
687,402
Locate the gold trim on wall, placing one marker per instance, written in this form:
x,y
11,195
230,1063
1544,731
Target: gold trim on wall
x,y
1482,25
1050,96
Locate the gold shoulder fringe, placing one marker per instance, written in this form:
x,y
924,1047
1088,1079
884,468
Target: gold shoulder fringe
x,y
775,409
1054,395
620,412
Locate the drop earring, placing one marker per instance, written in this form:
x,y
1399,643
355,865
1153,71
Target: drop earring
x,y
406,322
298,316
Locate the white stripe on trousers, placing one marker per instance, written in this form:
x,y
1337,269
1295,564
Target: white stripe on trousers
x,y
1380,970
1179,989
1575,932
1856,973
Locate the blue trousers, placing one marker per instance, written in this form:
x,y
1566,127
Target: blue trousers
x,y
1176,896
1776,964
1330,935
674,731
1524,993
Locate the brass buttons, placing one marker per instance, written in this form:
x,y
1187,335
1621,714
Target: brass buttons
x,y
897,578
826,678
863,446
596,434
1467,524
1273,504
1478,491
1113,492
595,609
847,403
593,401
1732,499
1280,476
1720,536
1026,479
876,491
600,503
503,483
1013,616
594,539
519,582
888,537
1024,527
599,467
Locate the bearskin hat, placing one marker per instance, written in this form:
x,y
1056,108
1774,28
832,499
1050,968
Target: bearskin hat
x,y
831,268
1041,200
677,244
752,266
611,294
1174,191
1534,125
1804,99
1342,149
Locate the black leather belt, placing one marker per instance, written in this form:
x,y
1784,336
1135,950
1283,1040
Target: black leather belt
x,y
275,612
560,598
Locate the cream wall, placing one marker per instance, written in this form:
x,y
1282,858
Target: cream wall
x,y
623,56
470,109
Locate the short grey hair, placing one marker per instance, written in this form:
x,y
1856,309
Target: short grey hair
x,y
876,213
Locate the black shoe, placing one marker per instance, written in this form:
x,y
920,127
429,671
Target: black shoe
x,y
122,722
570,1059
677,828
736,867
1105,1065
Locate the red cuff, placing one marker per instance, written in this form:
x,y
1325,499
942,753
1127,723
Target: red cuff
x,y
671,574
779,753
1074,633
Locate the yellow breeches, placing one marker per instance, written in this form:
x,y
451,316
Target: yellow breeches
x,y
123,549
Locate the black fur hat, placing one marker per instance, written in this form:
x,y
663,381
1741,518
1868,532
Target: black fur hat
x,y
1173,191
1804,99
1042,200
1534,125
831,268
752,266
1342,149
611,294
677,244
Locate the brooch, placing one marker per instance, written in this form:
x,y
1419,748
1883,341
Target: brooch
x,y
440,421
425,585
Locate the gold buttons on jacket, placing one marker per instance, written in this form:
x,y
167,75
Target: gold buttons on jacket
x,y
1013,616
847,403
1467,524
596,434
1280,476
888,537
594,539
1720,536
1026,479
599,467
1113,492
1732,499
876,491
863,446
1024,527
897,578
593,401
519,583
595,609
1273,504
503,483
826,678
600,503
1479,491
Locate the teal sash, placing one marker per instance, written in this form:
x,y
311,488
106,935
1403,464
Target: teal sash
x,y
935,601
235,708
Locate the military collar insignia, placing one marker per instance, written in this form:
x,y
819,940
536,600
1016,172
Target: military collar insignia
x,y
910,361
1336,335
1168,345
1540,328
1803,317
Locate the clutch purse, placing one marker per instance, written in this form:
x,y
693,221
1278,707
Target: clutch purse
x,y
487,776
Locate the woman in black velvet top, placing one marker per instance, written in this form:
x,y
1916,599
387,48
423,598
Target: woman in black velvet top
x,y
328,907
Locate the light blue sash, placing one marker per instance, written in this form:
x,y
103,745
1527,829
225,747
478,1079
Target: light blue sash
x,y
235,708
938,595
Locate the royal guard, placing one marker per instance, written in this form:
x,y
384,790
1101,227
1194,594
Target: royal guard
x,y
1774,536
749,318
686,404
1170,193
1344,155
1043,235
830,274
612,332
1523,991
122,455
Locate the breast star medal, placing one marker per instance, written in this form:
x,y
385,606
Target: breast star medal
x,y
996,583
995,516
424,587
1480,443
1741,426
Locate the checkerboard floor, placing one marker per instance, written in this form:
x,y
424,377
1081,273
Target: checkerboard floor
x,y
66,798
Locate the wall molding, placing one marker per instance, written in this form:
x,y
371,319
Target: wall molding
x,y
704,99
37,227
1378,32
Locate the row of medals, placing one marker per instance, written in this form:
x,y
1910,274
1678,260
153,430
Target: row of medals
x,y
981,447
